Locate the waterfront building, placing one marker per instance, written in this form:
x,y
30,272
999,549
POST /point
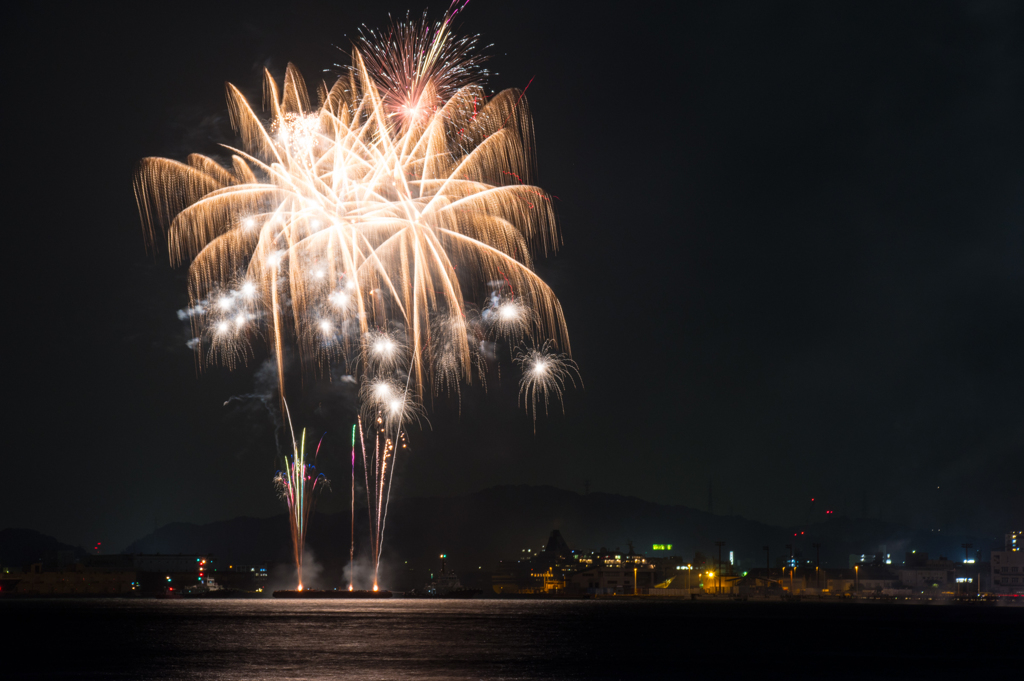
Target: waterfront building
x,y
921,573
700,581
114,575
240,577
560,570
1007,566
537,573
626,578
75,580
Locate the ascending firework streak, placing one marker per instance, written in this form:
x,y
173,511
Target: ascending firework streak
x,y
352,546
299,484
378,469
363,229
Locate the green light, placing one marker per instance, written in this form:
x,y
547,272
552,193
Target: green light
x,y
662,547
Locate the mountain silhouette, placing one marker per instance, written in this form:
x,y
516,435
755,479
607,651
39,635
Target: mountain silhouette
x,y
477,530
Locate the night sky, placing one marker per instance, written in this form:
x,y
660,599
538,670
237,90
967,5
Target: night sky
x,y
793,262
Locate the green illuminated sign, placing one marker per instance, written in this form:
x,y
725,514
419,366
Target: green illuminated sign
x,y
662,547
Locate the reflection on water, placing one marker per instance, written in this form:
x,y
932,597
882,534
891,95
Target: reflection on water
x,y
496,639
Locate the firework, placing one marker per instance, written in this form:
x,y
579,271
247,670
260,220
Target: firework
x,y
385,353
299,485
544,374
448,363
378,469
342,223
417,67
352,534
508,318
363,229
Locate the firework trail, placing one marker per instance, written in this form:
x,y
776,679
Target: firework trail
x,y
352,534
363,230
299,485
378,469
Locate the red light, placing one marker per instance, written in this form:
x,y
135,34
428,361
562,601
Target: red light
x,y
812,498
801,533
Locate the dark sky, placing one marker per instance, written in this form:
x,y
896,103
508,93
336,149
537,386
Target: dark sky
x,y
793,261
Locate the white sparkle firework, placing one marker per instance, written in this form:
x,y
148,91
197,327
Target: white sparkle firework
x,y
544,374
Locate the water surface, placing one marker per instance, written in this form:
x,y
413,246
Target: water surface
x,y
501,639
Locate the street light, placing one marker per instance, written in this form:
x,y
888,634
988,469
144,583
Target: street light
x,y
767,566
790,547
817,563
719,544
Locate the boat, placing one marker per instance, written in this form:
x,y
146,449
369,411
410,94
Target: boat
x,y
330,593
446,584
